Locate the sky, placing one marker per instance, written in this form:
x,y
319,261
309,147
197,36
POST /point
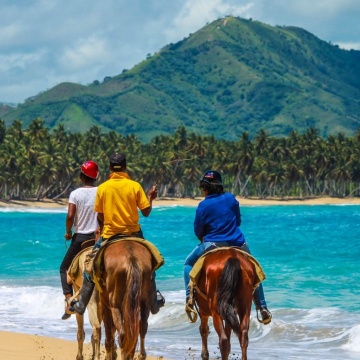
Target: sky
x,y
46,42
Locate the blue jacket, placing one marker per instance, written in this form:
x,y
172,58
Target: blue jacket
x,y
218,219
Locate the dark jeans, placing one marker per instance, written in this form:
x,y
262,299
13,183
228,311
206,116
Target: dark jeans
x,y
73,250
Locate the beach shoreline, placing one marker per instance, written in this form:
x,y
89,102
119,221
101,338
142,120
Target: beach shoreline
x,y
62,203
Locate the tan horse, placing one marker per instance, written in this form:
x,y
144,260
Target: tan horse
x,y
93,311
225,291
126,297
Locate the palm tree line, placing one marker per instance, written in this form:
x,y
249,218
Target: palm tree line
x,y
37,163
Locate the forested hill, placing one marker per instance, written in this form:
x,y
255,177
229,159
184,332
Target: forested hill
x,y
231,76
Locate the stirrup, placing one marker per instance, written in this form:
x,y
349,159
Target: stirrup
x,y
157,303
190,312
267,313
68,310
160,300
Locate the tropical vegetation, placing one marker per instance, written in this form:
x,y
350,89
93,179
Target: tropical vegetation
x,y
37,163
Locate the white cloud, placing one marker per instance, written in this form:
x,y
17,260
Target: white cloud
x,y
8,33
15,61
195,14
44,42
85,52
349,45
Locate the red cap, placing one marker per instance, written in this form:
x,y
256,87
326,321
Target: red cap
x,y
90,169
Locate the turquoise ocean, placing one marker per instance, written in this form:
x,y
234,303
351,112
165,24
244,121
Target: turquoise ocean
x,y
310,255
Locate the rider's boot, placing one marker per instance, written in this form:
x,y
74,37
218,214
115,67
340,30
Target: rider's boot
x,y
79,306
260,303
158,301
67,312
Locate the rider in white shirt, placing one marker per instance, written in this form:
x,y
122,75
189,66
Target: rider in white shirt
x,y
82,217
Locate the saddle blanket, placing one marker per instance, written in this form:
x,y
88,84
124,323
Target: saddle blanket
x,y
195,272
157,258
74,268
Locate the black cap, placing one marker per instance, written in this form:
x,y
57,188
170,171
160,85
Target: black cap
x,y
212,177
118,161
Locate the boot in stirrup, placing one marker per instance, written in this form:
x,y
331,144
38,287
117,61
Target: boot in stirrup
x,y
158,301
79,306
265,315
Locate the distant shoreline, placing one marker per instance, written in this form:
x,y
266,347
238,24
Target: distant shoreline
x,y
60,204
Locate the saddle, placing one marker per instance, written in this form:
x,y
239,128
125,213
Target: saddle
x,y
157,258
73,270
196,270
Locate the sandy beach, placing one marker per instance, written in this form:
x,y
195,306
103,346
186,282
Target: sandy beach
x,y
15,346
52,204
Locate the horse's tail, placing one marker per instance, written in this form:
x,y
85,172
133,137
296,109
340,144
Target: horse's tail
x,y
131,307
227,291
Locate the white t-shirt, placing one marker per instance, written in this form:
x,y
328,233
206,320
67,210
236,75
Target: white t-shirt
x,y
85,221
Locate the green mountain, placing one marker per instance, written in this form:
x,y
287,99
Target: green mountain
x,y
231,76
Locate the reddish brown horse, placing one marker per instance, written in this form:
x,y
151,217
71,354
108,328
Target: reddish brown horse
x,y
126,297
225,291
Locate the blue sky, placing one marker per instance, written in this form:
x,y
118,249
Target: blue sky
x,y
46,42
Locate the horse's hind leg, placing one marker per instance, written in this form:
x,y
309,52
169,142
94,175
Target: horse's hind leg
x,y
143,330
244,329
110,346
204,332
118,326
80,336
224,336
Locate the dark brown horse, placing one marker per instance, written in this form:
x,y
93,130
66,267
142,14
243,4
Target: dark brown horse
x,y
225,291
126,297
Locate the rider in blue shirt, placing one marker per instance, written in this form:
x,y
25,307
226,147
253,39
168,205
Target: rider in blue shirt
x,y
217,223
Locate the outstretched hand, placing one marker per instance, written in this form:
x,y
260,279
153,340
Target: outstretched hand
x,y
152,193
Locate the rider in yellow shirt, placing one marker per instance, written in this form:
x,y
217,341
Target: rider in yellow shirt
x,y
117,202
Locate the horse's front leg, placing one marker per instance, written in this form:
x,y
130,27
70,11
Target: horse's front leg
x,y
204,332
95,342
80,336
95,321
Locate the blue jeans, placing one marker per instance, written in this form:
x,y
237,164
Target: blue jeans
x,y
259,297
191,260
